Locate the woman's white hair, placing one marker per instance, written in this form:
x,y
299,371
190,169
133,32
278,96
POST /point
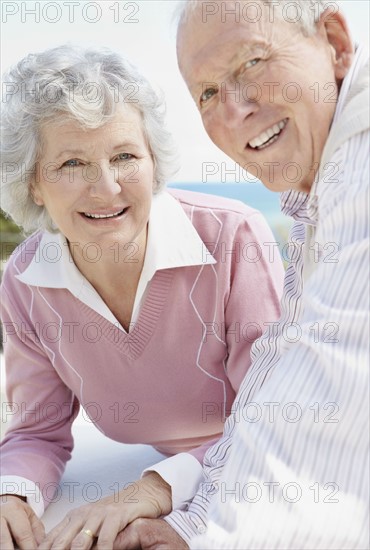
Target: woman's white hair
x,y
307,12
70,83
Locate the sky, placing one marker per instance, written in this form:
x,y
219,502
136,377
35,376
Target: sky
x,y
144,32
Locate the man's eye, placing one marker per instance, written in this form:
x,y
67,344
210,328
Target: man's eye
x,y
207,94
252,62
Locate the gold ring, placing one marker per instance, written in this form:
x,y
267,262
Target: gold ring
x,y
89,533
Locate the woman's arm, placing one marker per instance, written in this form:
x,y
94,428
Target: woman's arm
x,y
105,519
256,287
38,441
41,409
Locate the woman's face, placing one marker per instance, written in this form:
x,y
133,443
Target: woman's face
x,y
96,184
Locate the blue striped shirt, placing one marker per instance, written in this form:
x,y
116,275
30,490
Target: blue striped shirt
x,y
292,468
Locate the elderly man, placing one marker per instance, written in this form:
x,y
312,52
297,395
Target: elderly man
x,y
280,86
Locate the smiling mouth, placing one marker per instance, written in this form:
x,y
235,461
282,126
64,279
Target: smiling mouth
x,y
268,137
92,216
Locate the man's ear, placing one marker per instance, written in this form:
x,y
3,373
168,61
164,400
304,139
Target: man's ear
x,y
338,35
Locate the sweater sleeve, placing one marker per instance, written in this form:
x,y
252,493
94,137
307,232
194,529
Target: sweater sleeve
x,y
39,408
256,286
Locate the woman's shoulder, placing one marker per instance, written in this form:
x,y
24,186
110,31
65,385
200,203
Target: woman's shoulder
x,y
22,256
191,199
216,217
200,206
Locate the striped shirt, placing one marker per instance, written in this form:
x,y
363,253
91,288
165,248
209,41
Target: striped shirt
x,y
297,472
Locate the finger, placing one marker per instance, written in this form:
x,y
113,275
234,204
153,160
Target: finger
x,y
84,540
108,533
37,526
47,541
149,534
22,531
87,535
63,541
129,539
6,540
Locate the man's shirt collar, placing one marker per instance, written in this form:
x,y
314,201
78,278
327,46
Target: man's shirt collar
x,y
302,206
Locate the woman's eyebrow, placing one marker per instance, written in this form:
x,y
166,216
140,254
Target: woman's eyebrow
x,y
69,152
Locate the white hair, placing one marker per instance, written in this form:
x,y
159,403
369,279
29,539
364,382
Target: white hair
x,y
309,11
70,83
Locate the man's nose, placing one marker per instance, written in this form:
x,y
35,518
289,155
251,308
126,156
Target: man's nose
x,y
234,105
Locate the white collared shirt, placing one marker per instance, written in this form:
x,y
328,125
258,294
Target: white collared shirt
x,y
172,242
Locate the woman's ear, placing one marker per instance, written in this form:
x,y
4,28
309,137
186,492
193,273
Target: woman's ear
x,y
35,194
155,183
33,187
339,37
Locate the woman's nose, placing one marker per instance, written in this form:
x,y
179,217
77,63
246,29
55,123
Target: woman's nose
x,y
103,181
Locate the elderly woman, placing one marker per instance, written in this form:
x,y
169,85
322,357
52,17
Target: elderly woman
x,y
124,294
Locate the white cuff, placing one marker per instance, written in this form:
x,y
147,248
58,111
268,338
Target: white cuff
x,y
186,524
16,485
183,473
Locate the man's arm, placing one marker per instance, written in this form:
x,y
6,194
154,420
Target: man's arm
x,y
300,478
265,354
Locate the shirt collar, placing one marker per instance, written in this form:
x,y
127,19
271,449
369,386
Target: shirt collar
x,y
294,203
302,206
359,61
52,265
172,239
172,242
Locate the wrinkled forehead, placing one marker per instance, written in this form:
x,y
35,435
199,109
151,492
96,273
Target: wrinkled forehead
x,y
63,126
212,33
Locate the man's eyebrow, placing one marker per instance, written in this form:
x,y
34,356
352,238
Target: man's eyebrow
x,y
243,50
250,48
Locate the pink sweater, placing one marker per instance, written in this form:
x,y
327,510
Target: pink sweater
x,y
171,381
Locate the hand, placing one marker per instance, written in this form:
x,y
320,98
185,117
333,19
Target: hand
x,y
19,523
149,534
149,497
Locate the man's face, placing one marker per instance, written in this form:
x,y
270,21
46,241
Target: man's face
x,y
266,93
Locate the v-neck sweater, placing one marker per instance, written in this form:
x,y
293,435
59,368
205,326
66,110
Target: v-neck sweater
x,y
172,380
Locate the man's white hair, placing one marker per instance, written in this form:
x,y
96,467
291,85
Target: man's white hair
x,y
308,11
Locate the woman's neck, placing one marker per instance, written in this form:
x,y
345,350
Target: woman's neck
x,y
115,268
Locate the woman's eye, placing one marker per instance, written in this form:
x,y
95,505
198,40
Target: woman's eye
x,y
124,156
71,162
252,62
207,94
